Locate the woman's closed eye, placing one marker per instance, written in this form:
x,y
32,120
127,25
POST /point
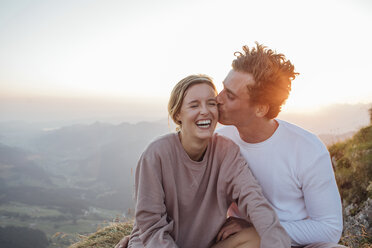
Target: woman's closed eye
x,y
212,102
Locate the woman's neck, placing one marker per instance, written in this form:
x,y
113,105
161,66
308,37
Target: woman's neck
x,y
194,148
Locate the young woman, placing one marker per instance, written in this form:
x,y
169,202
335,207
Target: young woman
x,y
186,181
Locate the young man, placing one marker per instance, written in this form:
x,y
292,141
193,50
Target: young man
x,y
291,164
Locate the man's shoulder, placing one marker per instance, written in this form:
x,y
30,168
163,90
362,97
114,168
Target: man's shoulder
x,y
295,130
300,136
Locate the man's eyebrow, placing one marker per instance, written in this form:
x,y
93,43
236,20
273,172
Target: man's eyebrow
x,y
231,92
228,90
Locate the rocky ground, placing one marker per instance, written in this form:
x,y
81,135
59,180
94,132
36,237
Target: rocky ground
x,y
358,225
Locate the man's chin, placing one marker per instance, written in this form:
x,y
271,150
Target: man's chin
x,y
223,121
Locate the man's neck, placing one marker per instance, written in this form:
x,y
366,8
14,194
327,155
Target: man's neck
x,y
258,131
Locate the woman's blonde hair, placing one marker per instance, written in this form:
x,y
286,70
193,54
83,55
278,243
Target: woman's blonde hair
x,y
179,92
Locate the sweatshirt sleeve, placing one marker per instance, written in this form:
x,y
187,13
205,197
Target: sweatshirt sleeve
x,y
151,214
323,204
244,189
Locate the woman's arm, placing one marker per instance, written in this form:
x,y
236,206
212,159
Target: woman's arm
x,y
151,213
244,189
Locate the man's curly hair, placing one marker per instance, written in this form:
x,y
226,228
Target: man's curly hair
x,y
272,74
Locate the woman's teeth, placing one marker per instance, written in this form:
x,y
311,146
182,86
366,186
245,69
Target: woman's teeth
x,y
203,123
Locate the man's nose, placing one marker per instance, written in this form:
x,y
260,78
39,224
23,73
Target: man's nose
x,y
219,98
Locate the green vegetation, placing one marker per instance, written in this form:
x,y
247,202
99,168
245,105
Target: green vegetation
x,y
19,209
52,221
352,160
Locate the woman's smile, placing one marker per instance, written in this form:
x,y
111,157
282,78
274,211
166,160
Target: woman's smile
x,y
204,123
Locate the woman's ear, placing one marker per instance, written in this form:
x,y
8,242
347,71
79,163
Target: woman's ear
x,y
177,117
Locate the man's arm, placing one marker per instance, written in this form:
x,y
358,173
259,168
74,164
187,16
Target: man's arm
x,y
232,226
323,204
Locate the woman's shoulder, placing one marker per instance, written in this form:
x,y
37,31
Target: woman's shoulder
x,y
226,153
161,143
224,144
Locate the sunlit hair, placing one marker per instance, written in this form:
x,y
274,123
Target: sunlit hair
x,y
272,74
179,91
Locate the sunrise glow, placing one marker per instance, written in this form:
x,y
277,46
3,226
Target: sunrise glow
x,y
129,50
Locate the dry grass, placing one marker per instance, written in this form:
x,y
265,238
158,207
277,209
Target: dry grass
x,y
106,237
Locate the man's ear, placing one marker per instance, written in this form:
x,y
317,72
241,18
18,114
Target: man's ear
x,y
261,110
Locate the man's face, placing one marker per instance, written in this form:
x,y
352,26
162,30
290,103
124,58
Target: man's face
x,y
233,101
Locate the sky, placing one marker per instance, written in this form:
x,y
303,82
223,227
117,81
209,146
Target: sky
x,y
89,58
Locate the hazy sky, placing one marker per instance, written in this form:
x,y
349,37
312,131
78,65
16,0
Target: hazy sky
x,y
123,53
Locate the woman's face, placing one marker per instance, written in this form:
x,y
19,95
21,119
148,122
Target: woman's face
x,y
199,113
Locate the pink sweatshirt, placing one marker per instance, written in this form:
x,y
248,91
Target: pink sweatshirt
x,y
183,203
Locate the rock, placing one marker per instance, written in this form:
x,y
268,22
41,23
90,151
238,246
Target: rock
x,y
357,226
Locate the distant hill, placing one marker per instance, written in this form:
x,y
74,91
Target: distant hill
x,y
334,119
106,152
18,168
70,178
330,139
22,237
96,161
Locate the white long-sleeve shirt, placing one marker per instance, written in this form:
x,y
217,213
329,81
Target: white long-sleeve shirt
x,y
295,172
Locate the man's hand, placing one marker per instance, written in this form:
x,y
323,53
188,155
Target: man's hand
x,y
232,226
123,243
247,238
